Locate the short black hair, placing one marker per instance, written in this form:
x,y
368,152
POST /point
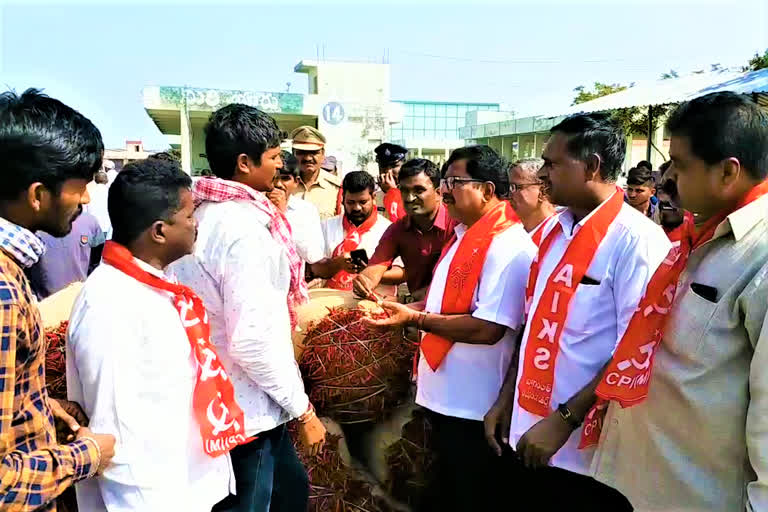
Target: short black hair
x,y
646,164
162,155
664,167
721,125
42,140
236,129
416,166
596,133
640,176
358,181
142,193
290,164
483,163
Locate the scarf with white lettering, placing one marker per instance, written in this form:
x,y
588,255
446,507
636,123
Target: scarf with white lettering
x,y
548,320
628,375
464,274
220,418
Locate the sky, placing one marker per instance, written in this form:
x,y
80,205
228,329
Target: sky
x,y
529,56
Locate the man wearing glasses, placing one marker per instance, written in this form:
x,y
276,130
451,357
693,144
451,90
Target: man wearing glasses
x,y
529,197
473,310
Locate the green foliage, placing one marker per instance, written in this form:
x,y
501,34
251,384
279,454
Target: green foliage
x,y
757,62
670,74
583,95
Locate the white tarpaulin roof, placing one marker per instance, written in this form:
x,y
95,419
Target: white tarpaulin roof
x,y
675,90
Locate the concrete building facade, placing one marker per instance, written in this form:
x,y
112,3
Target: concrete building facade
x,y
349,102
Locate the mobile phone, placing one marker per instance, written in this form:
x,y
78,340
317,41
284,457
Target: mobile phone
x,y
359,256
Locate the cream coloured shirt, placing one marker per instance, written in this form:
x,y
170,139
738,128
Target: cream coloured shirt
x,y
699,442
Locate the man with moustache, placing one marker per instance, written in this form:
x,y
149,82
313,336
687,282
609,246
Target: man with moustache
x,y
473,311
594,262
360,227
418,238
316,185
699,440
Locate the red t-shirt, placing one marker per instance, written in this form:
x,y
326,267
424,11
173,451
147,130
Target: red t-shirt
x,y
419,251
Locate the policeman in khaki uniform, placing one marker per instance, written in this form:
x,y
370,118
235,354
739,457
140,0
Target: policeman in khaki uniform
x,y
316,185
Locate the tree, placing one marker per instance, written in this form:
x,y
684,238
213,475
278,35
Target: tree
x,y
670,74
601,89
634,119
757,62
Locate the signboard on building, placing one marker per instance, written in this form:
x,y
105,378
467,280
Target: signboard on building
x,y
198,98
333,113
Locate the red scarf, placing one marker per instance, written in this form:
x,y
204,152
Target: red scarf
x,y
393,205
627,377
353,235
464,274
217,190
548,321
221,420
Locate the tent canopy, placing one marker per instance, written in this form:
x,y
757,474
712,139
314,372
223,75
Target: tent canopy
x,y
661,92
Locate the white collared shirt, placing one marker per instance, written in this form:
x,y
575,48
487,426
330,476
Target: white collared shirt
x,y
307,231
97,207
243,277
699,441
130,365
598,315
333,234
468,381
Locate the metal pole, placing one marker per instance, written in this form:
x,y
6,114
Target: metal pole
x,y
650,134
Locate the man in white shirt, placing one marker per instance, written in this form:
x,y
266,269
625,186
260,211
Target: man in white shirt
x,y
128,357
594,262
109,168
473,310
528,196
301,214
699,440
98,190
246,269
360,227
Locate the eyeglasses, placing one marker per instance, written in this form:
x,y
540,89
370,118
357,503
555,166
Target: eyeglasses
x,y
666,206
450,182
516,187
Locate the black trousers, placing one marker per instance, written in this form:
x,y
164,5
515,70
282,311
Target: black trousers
x,y
466,474
268,476
555,489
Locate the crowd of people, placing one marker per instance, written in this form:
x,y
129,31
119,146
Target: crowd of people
x,y
580,344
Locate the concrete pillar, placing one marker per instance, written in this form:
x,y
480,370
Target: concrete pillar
x,y
420,152
447,153
627,156
186,140
658,141
534,146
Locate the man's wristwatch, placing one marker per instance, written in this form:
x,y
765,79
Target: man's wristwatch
x,y
567,416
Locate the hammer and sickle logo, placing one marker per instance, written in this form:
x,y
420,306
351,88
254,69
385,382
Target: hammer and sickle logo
x,y
207,370
220,423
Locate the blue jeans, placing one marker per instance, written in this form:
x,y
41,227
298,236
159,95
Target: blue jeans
x,y
268,476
